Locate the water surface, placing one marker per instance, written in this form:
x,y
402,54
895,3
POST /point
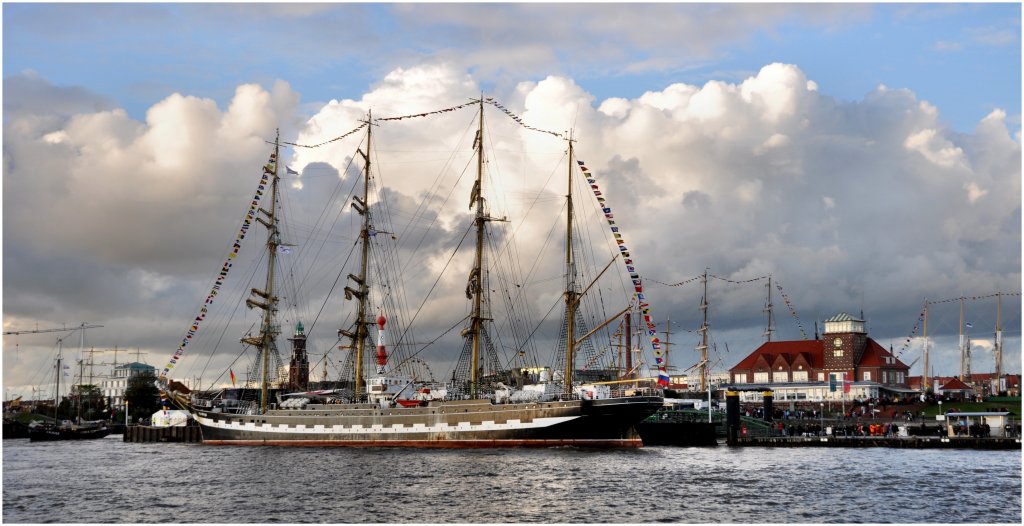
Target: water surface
x,y
111,481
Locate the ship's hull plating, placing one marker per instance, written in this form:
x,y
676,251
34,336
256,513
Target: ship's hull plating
x,y
51,434
605,423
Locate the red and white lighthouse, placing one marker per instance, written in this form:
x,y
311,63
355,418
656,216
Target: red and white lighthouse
x,y
382,352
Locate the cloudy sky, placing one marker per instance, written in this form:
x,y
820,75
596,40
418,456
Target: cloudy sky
x,y
867,156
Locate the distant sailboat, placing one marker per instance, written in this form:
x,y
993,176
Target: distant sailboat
x,y
62,430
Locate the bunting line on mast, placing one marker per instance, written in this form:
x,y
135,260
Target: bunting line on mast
x,y
268,170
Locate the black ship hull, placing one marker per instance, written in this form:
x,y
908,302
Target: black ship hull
x,y
47,433
603,423
657,433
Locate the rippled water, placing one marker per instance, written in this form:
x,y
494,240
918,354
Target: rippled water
x,y
111,481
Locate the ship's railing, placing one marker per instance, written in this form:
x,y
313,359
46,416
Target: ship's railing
x,y
247,407
635,391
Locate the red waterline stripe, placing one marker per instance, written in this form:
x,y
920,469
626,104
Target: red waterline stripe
x,y
436,444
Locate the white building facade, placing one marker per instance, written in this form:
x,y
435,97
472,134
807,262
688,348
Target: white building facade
x,y
115,387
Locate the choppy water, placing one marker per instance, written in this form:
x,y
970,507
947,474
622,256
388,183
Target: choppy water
x,y
111,481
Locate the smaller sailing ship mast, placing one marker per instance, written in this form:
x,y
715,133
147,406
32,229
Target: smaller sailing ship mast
x,y
60,371
963,347
999,341
265,341
703,330
925,374
768,309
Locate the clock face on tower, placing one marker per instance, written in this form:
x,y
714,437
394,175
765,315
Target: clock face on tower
x,y
838,342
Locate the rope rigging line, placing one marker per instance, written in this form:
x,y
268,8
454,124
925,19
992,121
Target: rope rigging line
x,y
380,119
518,119
695,278
430,198
237,304
974,298
920,317
738,282
792,310
640,297
432,287
338,138
269,169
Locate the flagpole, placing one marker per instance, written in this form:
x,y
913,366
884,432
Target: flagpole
x,y
842,396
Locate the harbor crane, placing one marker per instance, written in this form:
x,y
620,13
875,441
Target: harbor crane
x,y
83,326
61,329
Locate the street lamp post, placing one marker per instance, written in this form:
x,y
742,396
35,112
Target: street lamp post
x,y
822,415
125,415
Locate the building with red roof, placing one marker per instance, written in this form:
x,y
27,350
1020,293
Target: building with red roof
x,y
845,362
984,383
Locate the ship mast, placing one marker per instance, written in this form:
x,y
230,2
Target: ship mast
x,y
666,343
570,293
363,292
476,275
265,341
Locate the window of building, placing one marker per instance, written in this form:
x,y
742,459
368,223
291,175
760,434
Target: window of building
x,y
799,376
867,376
838,353
821,377
740,379
761,377
780,377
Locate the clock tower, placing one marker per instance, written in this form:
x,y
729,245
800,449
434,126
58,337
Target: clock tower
x,y
844,342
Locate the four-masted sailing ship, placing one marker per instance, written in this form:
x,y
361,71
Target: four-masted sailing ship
x,y
478,408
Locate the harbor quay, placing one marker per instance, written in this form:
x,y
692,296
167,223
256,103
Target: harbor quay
x,y
902,425
907,442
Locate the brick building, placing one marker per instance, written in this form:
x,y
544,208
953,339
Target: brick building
x,y
801,370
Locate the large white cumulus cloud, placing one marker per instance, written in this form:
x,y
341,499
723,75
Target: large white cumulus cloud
x,y
872,204
114,190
